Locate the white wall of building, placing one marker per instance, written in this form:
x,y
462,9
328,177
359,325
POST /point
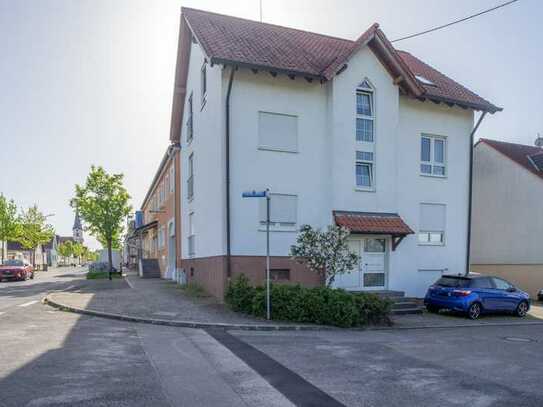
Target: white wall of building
x,y
208,148
414,267
507,221
322,172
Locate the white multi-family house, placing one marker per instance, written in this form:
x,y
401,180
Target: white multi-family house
x,y
507,213
355,133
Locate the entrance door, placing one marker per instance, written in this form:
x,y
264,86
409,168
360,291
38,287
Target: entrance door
x,y
373,264
370,272
351,280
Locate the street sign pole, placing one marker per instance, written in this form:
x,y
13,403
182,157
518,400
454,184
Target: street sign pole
x,y
268,306
265,194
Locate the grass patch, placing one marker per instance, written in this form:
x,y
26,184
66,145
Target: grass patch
x,y
97,275
194,290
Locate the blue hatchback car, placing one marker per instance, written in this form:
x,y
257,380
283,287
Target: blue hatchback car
x,y
476,294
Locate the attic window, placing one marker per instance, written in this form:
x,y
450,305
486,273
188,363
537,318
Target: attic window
x,y
537,160
425,81
365,85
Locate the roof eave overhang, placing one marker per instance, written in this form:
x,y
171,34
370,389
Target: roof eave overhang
x,y
286,71
466,105
165,159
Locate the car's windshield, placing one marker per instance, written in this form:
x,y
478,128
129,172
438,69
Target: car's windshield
x,y
452,282
13,262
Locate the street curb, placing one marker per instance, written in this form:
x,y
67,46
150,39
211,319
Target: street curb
x,y
185,324
250,327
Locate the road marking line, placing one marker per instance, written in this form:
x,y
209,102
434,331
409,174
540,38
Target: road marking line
x,y
69,287
26,304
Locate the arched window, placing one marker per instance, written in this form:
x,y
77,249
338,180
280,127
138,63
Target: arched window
x,y
365,137
365,112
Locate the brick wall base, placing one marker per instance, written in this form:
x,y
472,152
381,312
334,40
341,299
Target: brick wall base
x,y
210,272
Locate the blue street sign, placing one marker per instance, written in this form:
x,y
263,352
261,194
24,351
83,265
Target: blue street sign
x,y
254,194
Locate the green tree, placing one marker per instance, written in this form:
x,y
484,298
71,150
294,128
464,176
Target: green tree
x,y
9,222
324,252
103,204
65,249
78,249
34,230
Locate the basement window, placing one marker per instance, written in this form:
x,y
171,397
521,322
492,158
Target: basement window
x,y
279,274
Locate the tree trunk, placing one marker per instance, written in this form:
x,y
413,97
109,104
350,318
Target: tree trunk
x,y
3,249
109,257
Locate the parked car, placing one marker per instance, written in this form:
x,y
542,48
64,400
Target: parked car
x,y
16,270
475,295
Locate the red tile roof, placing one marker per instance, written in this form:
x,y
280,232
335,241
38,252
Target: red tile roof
x,y
446,89
520,153
372,223
246,42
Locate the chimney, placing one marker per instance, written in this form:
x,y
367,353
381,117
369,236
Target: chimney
x,y
539,141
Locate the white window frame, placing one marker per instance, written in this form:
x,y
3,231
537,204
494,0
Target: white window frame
x,y
203,84
191,235
172,177
365,88
190,179
282,149
190,118
432,163
371,165
279,226
427,241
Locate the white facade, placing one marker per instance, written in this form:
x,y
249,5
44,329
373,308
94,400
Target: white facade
x,y
318,167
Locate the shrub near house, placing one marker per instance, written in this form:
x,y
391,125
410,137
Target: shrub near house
x,y
320,305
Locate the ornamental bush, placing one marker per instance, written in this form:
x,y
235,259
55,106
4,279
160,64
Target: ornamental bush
x,y
319,305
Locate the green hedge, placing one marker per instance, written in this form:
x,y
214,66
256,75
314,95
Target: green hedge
x,y
320,305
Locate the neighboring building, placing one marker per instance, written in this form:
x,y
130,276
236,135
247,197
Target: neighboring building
x,y
37,257
348,132
50,249
156,236
508,213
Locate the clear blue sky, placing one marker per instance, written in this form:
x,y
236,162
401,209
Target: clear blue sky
x,y
90,81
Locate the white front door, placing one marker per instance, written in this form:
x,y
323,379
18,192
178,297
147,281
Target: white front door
x,y
370,272
373,264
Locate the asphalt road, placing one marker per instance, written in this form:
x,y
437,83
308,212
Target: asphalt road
x,y
53,358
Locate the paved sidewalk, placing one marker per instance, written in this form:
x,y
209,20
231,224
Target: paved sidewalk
x,y
157,300
149,299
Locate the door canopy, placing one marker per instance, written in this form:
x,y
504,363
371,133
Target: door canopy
x,y
372,223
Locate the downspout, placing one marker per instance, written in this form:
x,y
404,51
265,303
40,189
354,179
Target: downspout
x,y
470,190
175,153
227,150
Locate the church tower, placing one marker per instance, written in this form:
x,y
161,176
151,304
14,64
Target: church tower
x,y
77,229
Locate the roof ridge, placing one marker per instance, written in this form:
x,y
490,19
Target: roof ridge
x,y
509,142
269,24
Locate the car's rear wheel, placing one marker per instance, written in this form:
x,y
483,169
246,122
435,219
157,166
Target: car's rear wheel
x,y
432,308
522,309
474,311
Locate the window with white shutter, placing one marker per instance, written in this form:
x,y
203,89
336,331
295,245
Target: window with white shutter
x,y
432,223
283,211
277,132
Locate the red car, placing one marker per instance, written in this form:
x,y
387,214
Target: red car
x,y
16,270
